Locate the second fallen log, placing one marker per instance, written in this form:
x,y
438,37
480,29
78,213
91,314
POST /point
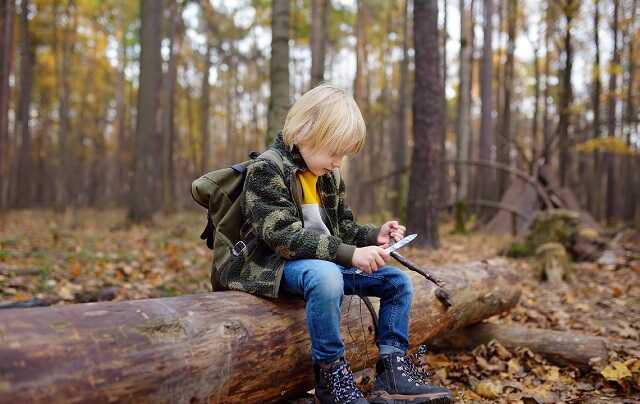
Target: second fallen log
x,y
560,347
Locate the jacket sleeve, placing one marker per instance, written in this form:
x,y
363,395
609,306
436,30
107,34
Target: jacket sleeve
x,y
275,219
351,232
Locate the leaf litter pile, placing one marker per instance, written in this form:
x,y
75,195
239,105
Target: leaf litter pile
x,y
48,258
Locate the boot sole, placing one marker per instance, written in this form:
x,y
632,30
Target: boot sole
x,y
382,397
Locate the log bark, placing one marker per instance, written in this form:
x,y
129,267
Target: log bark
x,y
560,347
214,347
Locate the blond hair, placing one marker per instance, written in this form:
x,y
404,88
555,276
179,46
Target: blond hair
x,y
326,118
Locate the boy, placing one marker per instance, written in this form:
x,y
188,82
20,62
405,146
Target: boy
x,y
302,240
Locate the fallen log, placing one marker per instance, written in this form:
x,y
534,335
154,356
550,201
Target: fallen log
x,y
559,347
213,347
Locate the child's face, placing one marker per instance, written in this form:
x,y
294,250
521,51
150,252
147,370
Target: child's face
x,y
320,162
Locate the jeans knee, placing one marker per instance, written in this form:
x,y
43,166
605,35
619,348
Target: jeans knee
x,y
404,283
324,282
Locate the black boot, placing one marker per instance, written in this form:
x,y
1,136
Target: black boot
x,y
399,380
335,385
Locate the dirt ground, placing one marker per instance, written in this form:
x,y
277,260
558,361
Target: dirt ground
x,y
90,255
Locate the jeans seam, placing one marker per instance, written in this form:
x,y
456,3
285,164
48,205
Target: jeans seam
x,y
393,309
394,304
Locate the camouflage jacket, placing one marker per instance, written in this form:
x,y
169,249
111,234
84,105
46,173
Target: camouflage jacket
x,y
273,227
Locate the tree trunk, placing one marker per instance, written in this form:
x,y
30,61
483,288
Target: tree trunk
x,y
168,114
357,167
65,157
428,126
485,182
398,145
536,142
504,143
631,119
444,183
140,203
279,68
212,347
463,118
204,112
319,17
229,86
612,96
546,124
595,197
22,197
7,16
122,160
566,98
560,347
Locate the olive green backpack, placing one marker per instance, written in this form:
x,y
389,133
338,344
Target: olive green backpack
x,y
218,191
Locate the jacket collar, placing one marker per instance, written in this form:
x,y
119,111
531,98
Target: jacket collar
x,y
290,157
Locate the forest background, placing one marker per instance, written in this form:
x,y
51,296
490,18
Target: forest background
x,y
122,104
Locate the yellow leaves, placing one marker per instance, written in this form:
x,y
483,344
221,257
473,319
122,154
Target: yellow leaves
x,y
616,372
488,389
615,68
75,269
605,144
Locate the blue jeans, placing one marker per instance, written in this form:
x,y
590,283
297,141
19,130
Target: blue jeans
x,y
323,285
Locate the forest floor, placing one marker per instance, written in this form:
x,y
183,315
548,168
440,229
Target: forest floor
x,y
90,255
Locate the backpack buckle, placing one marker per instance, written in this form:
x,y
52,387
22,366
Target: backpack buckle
x,y
238,248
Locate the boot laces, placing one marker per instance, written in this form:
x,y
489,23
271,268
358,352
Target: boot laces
x,y
411,364
343,387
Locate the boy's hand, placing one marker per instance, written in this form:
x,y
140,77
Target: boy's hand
x,y
369,259
390,232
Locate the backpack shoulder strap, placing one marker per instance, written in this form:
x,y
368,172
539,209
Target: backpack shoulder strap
x,y
274,156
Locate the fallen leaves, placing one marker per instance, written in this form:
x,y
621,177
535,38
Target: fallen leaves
x,y
108,260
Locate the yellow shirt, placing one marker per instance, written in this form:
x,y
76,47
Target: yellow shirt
x,y
311,211
309,190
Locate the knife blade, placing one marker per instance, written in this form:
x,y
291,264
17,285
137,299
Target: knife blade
x,y
399,244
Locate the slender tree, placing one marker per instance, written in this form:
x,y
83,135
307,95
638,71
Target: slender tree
x,y
536,142
463,115
279,68
569,9
505,139
631,119
123,156
22,196
546,124
7,16
595,197
168,115
428,126
399,143
140,196
319,18
612,96
485,182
